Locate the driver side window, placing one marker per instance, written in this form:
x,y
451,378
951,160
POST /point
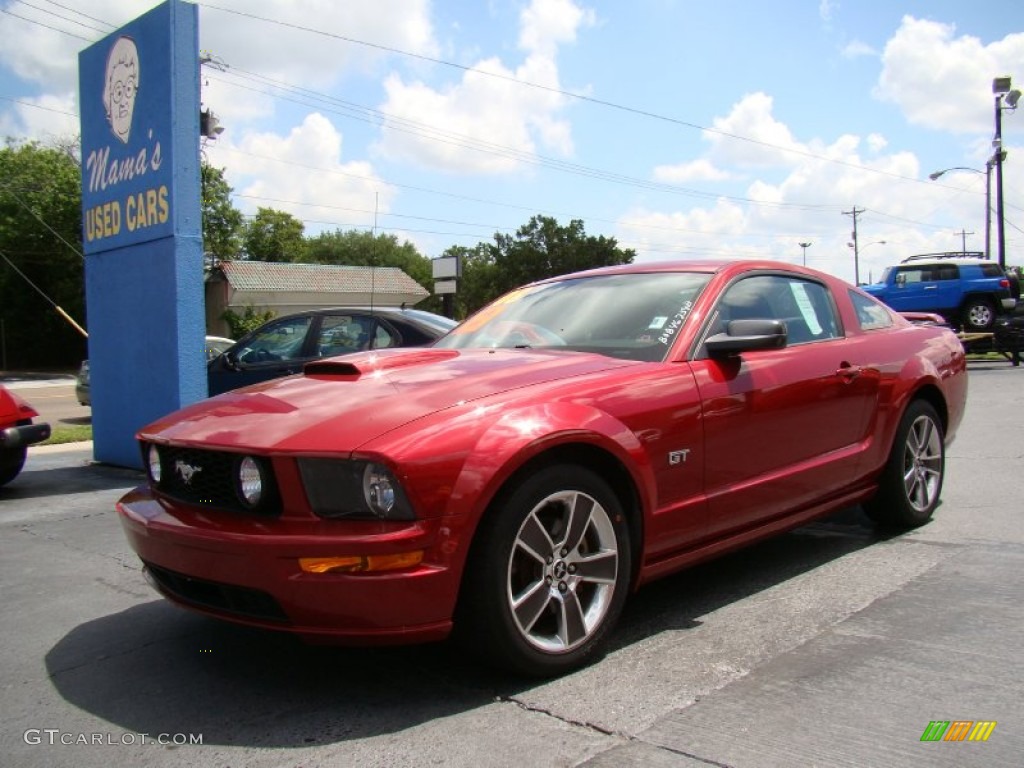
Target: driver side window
x,y
805,306
276,342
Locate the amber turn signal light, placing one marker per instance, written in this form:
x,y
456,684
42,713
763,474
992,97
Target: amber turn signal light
x,y
360,563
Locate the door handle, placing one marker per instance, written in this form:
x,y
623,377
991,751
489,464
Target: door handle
x,y
848,372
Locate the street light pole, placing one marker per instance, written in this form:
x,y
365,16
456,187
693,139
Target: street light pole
x,y
805,246
1001,89
988,207
988,196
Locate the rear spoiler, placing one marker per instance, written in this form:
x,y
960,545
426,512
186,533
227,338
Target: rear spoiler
x,y
924,318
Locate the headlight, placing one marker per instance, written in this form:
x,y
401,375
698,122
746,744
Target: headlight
x,y
353,489
378,489
250,481
153,463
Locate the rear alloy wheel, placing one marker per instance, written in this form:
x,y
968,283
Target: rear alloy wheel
x,y
911,482
978,315
550,573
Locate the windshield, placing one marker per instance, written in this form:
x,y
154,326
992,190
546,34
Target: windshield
x,y
634,316
429,319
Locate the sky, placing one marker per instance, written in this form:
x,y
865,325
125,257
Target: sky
x,y
685,129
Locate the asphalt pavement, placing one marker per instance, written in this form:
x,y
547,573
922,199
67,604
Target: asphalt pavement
x,y
829,646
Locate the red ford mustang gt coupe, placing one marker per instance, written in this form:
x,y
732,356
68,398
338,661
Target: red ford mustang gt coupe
x,y
570,442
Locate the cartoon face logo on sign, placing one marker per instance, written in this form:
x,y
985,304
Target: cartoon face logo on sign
x,y
121,85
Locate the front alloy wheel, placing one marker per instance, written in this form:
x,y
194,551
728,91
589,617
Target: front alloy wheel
x,y
562,571
549,573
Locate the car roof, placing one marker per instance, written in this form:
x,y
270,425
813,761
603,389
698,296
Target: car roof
x,y
383,311
945,257
710,266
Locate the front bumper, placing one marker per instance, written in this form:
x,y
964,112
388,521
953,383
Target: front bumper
x,y
26,434
246,570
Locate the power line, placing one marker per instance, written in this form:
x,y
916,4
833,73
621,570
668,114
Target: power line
x,y
559,92
34,21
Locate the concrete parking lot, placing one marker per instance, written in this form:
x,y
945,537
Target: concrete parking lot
x,y
826,646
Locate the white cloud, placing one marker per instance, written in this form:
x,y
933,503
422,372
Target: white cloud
x,y
856,49
287,51
43,118
942,81
804,202
494,114
38,52
274,168
260,36
698,170
826,9
546,24
765,139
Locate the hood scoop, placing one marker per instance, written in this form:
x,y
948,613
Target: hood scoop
x,y
330,368
362,363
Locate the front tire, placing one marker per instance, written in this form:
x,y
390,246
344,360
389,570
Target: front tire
x,y
911,482
549,573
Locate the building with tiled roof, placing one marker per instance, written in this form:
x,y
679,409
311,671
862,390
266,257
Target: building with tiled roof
x,y
287,288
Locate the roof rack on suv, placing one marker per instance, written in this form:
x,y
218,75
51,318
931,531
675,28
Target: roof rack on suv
x,y
946,255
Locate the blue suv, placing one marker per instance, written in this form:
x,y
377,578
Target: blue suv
x,y
965,288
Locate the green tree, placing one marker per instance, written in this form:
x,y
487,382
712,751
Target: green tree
x,y
40,237
249,320
273,235
222,222
539,249
479,282
361,248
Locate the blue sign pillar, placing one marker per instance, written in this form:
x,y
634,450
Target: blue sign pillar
x,y
141,225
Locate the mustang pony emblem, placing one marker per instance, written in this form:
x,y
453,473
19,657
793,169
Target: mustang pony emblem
x,y
186,471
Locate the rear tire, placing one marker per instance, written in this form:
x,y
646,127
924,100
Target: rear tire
x,y
979,315
548,575
909,488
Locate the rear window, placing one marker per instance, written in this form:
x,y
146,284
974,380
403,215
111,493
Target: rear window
x,y
871,315
992,270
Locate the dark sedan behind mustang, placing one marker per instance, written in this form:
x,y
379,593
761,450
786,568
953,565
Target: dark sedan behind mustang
x,y
572,441
282,346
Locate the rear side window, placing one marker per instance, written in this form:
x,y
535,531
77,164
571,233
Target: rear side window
x,y
991,270
871,315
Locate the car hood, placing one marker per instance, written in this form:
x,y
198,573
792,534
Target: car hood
x,y
340,403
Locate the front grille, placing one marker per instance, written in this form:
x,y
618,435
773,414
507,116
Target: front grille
x,y
209,478
223,598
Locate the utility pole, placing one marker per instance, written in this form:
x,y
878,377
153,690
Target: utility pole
x,y
856,248
963,240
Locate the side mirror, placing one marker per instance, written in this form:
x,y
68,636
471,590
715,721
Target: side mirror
x,y
747,336
230,360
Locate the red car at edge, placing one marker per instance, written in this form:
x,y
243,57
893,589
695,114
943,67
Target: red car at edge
x,y
574,440
17,433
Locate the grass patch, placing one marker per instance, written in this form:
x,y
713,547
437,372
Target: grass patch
x,y
68,433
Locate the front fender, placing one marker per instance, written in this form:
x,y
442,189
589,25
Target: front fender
x,y
525,433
